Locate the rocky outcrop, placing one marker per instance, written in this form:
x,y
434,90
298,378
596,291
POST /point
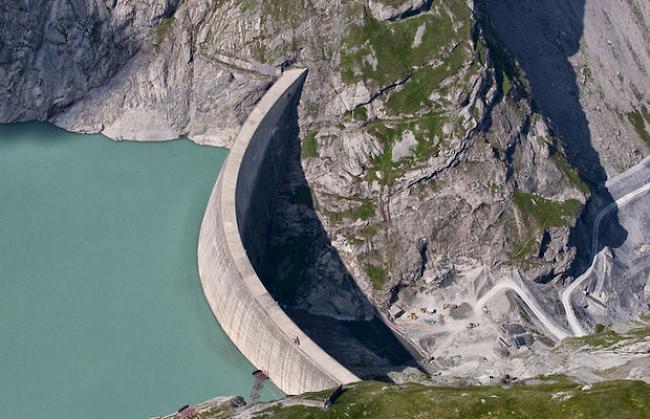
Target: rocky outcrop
x,y
588,66
128,69
439,137
393,10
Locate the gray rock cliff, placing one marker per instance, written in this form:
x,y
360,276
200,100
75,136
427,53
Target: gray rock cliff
x,y
438,138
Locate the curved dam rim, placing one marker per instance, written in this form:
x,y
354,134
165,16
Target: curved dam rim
x,y
228,182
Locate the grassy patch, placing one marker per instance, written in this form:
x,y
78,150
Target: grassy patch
x,y
640,333
519,256
310,145
384,52
544,212
604,337
601,339
562,163
428,136
365,211
571,174
359,114
507,72
553,399
639,119
377,275
415,94
276,17
163,29
223,411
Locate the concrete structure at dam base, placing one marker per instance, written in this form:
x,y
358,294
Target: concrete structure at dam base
x,y
232,238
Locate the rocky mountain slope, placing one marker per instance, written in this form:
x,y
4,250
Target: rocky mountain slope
x,y
439,138
129,69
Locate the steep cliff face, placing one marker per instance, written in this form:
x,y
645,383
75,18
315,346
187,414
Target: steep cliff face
x,y
54,53
588,65
430,158
130,69
437,136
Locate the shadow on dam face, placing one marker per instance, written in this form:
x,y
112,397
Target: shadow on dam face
x,y
305,275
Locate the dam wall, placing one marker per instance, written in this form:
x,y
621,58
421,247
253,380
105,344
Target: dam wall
x,y
232,238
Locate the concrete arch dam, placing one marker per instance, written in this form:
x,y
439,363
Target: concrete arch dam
x,y
233,233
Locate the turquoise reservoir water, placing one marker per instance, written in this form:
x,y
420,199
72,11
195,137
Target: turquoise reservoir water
x,y
102,314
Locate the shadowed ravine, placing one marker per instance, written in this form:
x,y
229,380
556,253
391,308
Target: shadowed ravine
x,y
304,273
543,44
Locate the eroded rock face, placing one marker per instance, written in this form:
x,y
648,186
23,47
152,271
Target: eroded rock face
x,y
431,140
396,9
588,66
129,69
53,53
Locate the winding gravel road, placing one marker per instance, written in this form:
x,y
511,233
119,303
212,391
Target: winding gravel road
x,y
509,285
574,323
547,320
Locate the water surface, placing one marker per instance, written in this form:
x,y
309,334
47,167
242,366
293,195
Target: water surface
x,y
101,310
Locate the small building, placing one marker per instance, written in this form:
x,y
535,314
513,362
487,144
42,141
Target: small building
x,y
395,311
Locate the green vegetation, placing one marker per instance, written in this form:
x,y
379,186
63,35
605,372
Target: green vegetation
x,y
310,145
428,134
559,158
363,212
391,2
507,72
385,52
544,212
522,250
163,29
276,18
414,95
600,339
224,411
639,333
604,336
359,114
571,174
553,398
639,119
377,275
538,214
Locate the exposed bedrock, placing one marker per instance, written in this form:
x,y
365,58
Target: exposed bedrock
x,y
588,63
438,137
129,69
390,10
588,76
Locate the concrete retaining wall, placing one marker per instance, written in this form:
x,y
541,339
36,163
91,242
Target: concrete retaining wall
x,y
235,226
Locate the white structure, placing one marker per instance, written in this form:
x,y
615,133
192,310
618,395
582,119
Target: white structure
x,y
234,232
